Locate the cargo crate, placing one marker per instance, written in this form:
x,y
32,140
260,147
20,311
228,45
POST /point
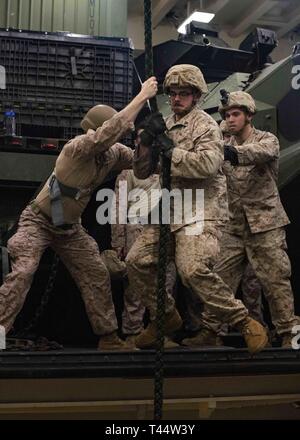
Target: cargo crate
x,y
52,79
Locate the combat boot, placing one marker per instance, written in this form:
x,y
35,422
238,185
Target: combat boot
x,y
112,342
168,343
130,341
254,333
148,337
286,340
205,338
173,322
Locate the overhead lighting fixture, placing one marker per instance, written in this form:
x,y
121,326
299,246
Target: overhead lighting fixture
x,y
202,17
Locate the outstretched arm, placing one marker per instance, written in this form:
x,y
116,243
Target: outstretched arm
x,y
148,91
113,129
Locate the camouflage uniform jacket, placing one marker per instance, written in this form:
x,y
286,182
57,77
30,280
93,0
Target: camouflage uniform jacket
x,y
121,233
84,163
252,186
197,163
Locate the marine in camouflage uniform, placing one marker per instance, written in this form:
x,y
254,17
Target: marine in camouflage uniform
x,y
251,287
83,164
255,231
196,163
123,238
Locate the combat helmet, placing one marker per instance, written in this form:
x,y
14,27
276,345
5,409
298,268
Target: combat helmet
x,y
236,99
183,75
96,116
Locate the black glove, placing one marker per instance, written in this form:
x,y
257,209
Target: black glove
x,y
147,138
154,125
166,145
231,154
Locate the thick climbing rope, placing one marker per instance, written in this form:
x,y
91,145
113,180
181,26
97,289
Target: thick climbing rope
x,y
164,236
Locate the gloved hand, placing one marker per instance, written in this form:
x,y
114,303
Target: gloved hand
x,y
146,138
154,125
231,154
166,145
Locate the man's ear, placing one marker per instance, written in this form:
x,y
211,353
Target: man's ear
x,y
249,118
197,96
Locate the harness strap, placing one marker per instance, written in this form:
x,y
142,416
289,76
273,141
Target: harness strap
x,y
56,190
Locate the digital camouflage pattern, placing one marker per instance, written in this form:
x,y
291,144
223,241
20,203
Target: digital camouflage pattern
x,y
255,231
83,163
124,235
252,186
123,238
76,249
252,292
266,252
116,268
185,75
197,163
238,99
195,257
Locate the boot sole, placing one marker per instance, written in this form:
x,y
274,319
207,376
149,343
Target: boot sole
x,y
167,333
184,344
173,330
153,345
116,348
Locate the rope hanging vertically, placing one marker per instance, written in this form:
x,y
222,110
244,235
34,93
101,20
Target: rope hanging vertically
x,y
164,235
148,47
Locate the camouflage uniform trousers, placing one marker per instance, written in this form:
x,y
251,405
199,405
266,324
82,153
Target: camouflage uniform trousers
x,y
252,294
252,298
266,252
191,310
133,312
195,256
80,254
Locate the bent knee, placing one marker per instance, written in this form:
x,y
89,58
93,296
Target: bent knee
x,y
193,271
20,244
136,260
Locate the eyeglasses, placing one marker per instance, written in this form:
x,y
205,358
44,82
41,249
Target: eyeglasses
x,y
182,94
